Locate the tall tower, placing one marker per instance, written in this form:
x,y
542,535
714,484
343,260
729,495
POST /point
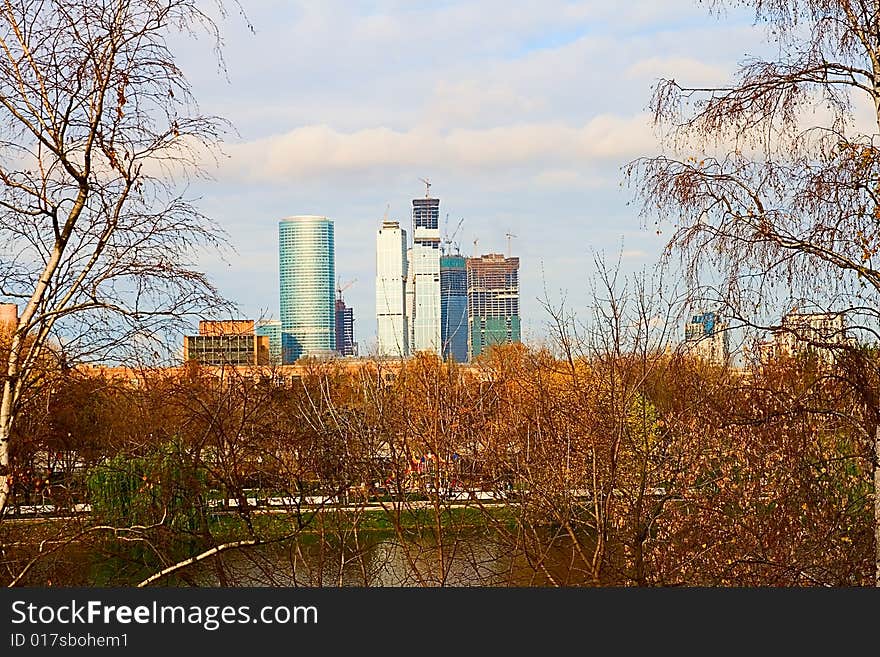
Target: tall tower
x,y
493,301
308,285
345,344
391,276
454,307
426,274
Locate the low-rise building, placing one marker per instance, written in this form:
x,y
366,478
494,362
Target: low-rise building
x,y
227,342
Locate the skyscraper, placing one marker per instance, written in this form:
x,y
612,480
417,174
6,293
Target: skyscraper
x,y
308,274
345,344
454,307
391,278
426,275
493,301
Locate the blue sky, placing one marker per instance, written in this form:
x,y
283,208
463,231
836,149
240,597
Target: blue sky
x,y
520,114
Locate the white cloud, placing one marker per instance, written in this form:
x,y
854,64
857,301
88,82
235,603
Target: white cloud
x,y
319,150
688,71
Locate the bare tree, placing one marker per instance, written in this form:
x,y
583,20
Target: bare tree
x,y
769,203
98,131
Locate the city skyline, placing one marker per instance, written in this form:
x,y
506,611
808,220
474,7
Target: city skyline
x,y
521,119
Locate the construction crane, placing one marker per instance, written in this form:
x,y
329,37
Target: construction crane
x,y
340,287
427,187
509,235
449,240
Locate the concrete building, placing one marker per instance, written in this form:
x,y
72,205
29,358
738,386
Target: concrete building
x,y
271,328
706,336
392,317
307,266
454,307
425,262
226,342
817,333
345,344
493,302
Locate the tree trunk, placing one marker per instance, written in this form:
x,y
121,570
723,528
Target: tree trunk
x,y
877,507
5,429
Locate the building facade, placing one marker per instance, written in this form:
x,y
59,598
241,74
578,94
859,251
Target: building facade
x,y
345,344
226,342
454,307
493,302
707,337
817,333
425,261
308,287
392,317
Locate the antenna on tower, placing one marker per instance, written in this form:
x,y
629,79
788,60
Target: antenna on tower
x,y
427,187
387,208
509,235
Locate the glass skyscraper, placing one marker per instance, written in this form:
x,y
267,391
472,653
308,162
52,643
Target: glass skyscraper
x,y
308,287
454,307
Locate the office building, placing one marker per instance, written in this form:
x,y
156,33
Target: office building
x,y
226,342
706,336
493,302
425,262
454,307
307,283
392,319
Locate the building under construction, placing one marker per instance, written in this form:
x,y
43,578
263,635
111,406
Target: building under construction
x,y
493,302
345,344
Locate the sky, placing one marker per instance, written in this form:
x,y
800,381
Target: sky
x,y
521,115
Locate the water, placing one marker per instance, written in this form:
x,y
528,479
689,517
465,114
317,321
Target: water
x,y
460,556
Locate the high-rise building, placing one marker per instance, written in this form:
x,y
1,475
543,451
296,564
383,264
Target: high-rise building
x,y
426,275
818,333
308,275
391,286
493,302
707,336
345,344
271,328
454,307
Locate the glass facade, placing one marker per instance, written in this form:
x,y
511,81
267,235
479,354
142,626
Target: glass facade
x,y
308,287
453,307
226,349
